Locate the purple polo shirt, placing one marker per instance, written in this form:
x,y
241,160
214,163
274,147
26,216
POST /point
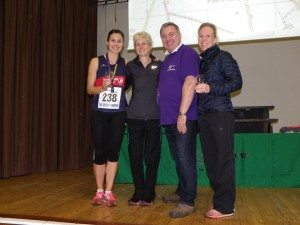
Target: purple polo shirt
x,y
175,68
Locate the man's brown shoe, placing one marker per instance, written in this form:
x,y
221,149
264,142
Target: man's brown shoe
x,y
171,198
181,210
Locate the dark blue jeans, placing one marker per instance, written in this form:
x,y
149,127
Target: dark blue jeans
x,y
183,152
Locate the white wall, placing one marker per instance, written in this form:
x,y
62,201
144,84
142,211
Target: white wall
x,y
270,70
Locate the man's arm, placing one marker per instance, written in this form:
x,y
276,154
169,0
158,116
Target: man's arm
x,y
188,92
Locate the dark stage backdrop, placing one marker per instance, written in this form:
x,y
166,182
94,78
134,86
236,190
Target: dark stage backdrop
x,y
45,48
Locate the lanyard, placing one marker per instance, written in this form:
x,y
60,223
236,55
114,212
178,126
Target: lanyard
x,y
111,74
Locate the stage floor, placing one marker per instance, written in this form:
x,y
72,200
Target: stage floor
x,y
65,196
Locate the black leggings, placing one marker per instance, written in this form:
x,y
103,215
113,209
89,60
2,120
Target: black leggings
x,y
107,135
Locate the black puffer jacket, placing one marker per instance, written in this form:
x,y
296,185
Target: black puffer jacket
x,y
220,70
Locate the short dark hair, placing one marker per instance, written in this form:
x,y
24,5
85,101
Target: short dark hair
x,y
115,31
167,24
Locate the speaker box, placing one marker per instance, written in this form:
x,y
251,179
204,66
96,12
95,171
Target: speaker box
x,y
252,119
251,113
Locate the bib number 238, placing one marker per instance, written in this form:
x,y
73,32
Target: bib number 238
x,y
109,99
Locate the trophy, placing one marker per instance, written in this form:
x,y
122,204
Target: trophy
x,y
111,76
200,79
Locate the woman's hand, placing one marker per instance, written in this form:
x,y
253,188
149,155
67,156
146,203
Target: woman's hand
x,y
106,83
202,88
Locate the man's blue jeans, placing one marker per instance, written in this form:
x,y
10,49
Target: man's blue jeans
x,y
183,152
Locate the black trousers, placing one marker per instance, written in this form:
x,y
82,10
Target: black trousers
x,y
144,153
217,140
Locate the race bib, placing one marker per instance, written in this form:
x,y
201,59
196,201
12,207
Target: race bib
x,y
109,99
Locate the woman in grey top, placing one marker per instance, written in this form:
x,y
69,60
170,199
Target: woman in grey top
x,y
143,121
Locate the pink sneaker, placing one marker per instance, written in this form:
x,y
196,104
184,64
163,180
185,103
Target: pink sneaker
x,y
110,199
214,214
98,198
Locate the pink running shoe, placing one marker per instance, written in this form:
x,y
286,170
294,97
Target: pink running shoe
x,y
98,198
110,199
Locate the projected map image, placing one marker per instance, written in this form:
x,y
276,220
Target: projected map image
x,y
236,20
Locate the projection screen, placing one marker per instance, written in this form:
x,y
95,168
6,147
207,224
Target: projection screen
x,y
236,20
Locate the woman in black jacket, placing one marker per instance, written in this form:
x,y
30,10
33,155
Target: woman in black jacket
x,y
219,76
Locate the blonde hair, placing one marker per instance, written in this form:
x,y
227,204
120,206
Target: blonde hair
x,y
143,35
213,27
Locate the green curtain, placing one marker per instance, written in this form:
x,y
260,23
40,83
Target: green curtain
x,y
262,160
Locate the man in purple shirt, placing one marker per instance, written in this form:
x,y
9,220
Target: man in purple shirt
x,y
178,115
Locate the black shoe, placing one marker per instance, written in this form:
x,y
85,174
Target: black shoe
x,y
134,201
146,202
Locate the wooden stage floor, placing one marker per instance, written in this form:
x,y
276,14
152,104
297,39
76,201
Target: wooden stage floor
x,y
65,196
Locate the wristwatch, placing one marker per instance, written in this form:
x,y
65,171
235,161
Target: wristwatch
x,y
182,114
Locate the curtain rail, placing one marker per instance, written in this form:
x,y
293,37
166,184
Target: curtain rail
x,y
106,2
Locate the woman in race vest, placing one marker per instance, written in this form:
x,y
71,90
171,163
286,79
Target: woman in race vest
x,y
106,82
